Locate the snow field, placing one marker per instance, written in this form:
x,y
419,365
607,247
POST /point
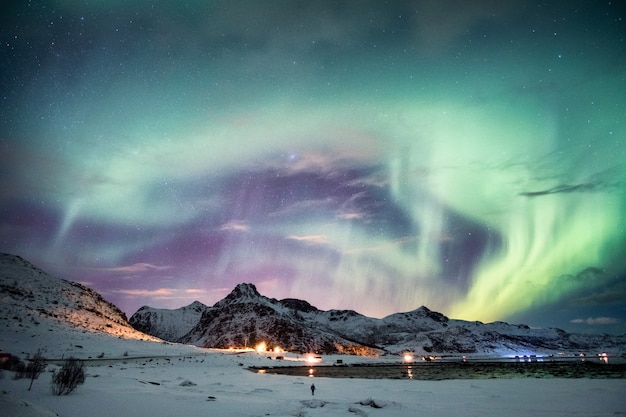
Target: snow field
x,y
217,383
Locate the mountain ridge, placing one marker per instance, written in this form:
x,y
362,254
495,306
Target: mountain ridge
x,y
245,318
40,305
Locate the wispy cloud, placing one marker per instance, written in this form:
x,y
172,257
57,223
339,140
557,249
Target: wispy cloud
x,y
304,206
311,239
351,210
385,245
561,189
236,226
350,215
191,291
160,292
596,321
324,162
137,268
377,179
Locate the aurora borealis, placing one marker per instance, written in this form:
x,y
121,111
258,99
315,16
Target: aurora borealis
x,y
466,156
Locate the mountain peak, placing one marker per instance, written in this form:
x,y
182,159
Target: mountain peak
x,y
245,290
197,306
421,313
424,311
241,293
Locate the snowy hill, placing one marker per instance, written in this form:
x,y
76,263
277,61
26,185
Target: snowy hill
x,y
31,301
245,318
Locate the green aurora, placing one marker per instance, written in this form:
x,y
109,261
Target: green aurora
x,y
471,159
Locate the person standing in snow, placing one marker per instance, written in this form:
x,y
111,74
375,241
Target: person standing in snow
x,y
312,389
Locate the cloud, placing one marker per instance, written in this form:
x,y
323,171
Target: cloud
x,y
194,291
596,321
376,179
351,209
315,156
137,268
384,245
350,215
561,189
311,239
597,287
304,207
160,293
236,226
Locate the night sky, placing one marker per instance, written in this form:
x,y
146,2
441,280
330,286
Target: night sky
x,y
469,156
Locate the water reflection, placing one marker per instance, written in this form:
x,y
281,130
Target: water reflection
x,y
409,372
574,368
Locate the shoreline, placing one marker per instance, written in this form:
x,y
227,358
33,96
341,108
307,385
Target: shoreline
x,y
437,371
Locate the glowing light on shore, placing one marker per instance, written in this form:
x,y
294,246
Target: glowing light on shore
x,y
313,359
261,347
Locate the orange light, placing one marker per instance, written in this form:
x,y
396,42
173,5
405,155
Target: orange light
x,y
261,347
408,357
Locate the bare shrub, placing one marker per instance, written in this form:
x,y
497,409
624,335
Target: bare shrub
x,y
20,370
30,370
35,367
66,379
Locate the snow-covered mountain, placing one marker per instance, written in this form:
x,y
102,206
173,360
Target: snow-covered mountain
x,y
168,324
245,318
32,299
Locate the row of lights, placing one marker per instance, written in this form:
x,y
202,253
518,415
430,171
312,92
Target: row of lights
x,y
262,348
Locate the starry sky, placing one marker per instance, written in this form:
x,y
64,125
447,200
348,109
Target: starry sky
x,y
366,155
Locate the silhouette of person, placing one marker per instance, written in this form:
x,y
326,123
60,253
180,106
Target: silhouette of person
x,y
312,389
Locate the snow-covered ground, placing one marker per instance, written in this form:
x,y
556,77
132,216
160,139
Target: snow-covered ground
x,y
141,378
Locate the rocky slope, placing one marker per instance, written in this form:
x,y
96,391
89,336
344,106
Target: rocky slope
x,y
31,298
245,318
